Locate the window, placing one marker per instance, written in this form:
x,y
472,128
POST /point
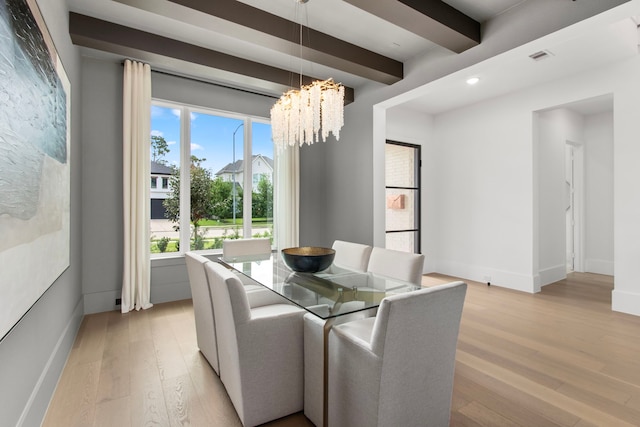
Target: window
x,y
154,182
225,201
402,180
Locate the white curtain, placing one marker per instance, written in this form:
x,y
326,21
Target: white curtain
x,y
136,123
287,197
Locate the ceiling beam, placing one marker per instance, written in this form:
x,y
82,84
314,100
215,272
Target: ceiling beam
x,y
433,20
263,28
185,58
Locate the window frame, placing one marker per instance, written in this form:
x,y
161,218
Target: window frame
x,y
185,177
417,244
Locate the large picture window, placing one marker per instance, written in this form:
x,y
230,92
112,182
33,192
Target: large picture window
x,y
224,163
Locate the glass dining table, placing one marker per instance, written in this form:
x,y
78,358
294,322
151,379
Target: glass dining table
x,y
332,294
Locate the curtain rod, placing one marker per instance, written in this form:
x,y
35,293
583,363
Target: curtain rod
x,y
195,79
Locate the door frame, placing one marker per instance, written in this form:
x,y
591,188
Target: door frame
x,y
577,150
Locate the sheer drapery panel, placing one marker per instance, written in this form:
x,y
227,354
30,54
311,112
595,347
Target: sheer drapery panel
x,y
136,124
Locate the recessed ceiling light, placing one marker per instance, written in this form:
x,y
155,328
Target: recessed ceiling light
x,y
473,80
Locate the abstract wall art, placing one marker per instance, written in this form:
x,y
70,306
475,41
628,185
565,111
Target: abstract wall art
x,y
34,161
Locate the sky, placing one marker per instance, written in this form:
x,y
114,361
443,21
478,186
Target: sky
x,y
211,137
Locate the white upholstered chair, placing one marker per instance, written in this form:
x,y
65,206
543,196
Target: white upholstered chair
x,y
396,369
203,305
260,351
350,256
232,248
399,265
202,308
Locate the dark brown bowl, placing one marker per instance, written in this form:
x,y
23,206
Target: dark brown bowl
x,y
308,259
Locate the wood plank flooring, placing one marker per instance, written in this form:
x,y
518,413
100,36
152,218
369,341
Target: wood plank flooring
x,y
557,358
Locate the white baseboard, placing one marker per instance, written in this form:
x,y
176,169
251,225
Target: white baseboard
x,y
43,390
599,266
505,279
625,302
553,274
99,302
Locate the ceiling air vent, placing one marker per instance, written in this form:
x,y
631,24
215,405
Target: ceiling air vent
x,y
540,55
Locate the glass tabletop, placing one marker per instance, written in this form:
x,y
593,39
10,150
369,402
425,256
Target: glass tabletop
x,y
329,293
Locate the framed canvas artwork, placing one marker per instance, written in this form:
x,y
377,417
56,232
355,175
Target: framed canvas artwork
x,y
34,161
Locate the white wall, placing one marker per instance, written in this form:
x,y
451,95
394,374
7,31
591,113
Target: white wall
x,y
485,179
626,175
555,128
599,228
488,179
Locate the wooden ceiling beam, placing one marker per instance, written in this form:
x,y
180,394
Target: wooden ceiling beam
x,y
192,60
433,20
263,28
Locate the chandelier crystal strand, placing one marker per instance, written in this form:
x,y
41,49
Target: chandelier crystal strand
x,y
294,118
306,113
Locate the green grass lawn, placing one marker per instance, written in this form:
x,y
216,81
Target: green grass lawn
x,y
216,242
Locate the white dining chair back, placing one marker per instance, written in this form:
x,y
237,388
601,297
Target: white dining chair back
x,y
351,256
260,350
399,265
202,308
396,369
232,248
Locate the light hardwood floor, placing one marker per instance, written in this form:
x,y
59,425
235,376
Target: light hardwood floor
x,y
557,358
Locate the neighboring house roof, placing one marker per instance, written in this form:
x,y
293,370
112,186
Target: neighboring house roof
x,y
231,168
238,165
160,169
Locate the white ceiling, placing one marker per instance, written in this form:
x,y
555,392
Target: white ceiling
x,y
593,47
335,17
342,20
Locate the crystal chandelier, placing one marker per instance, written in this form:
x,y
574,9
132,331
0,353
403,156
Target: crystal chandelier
x,y
301,115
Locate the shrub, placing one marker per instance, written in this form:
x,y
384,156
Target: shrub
x,y
163,243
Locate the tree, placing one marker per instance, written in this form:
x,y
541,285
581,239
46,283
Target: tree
x,y
262,198
222,199
159,147
201,206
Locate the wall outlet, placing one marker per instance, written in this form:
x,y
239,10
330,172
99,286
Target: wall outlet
x,y
118,301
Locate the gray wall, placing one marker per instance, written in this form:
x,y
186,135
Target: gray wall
x,y
102,172
33,354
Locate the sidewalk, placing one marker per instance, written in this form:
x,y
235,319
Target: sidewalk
x,y
164,228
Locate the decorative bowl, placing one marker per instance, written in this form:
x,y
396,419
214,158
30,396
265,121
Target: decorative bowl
x,y
308,259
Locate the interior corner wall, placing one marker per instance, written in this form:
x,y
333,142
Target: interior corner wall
x,y
599,226
336,195
555,128
34,352
484,192
626,197
102,228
